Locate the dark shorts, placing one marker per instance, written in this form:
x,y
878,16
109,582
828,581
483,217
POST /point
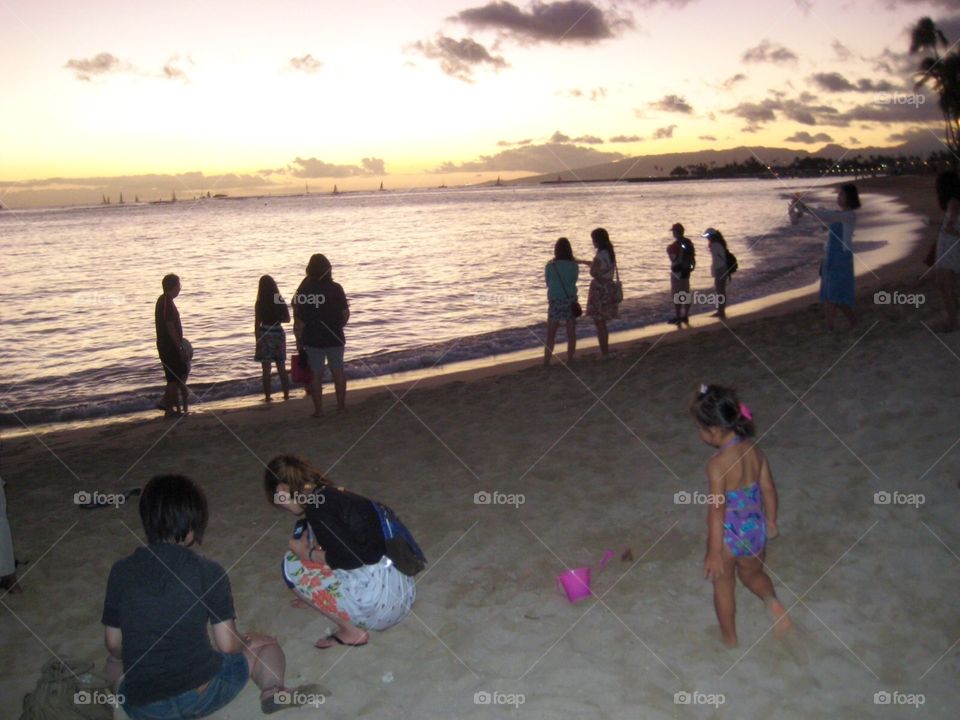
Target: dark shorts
x,y
174,369
330,355
223,688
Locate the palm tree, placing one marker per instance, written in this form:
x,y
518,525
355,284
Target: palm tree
x,y
943,72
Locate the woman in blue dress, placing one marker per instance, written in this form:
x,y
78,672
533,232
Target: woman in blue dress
x,y
836,270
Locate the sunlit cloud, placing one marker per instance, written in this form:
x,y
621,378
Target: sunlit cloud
x,y
85,69
664,133
559,137
835,82
707,138
625,139
593,95
315,168
588,140
305,63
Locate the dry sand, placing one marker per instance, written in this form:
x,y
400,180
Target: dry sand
x,y
598,452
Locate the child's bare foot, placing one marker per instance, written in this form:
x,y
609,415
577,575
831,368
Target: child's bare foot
x,y
782,622
730,641
354,638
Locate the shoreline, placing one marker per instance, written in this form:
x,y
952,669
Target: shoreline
x,y
857,428
776,303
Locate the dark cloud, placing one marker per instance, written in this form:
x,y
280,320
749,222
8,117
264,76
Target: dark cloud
x,y
757,114
664,132
559,137
305,63
808,139
733,80
672,103
853,141
101,64
314,168
458,58
708,138
548,158
593,95
768,52
556,22
835,82
841,51
588,140
625,139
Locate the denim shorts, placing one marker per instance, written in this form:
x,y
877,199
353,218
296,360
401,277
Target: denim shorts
x,y
317,356
223,688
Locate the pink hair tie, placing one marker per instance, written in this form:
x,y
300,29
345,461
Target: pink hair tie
x,y
745,411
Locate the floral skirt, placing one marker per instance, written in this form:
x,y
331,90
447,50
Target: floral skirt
x,y
600,304
271,345
372,597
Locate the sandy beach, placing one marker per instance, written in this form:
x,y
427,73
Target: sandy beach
x,y
579,460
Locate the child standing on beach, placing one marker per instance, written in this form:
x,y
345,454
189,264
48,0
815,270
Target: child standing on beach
x,y
742,504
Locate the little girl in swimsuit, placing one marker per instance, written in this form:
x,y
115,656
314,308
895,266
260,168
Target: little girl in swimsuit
x,y
742,512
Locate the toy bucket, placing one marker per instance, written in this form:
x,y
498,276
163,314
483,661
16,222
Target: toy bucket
x,y
575,583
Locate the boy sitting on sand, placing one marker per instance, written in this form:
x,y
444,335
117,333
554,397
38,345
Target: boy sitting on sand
x,y
158,603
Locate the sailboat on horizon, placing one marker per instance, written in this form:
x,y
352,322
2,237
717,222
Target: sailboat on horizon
x,y
335,191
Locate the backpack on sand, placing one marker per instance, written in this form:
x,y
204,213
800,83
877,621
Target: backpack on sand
x,y
68,690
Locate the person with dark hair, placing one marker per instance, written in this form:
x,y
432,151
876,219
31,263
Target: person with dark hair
x,y
603,304
173,350
269,314
561,275
836,270
947,264
682,256
320,312
352,559
720,268
742,508
159,601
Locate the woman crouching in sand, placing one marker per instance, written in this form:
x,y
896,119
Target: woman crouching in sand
x,y
353,561
742,512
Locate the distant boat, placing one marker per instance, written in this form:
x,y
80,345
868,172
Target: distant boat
x,y
173,197
121,198
335,191
306,188
136,198
498,183
381,186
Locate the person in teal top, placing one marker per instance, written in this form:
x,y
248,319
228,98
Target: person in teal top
x,y
560,276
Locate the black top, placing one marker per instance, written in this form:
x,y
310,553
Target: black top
x,y
320,305
272,311
347,527
164,312
152,596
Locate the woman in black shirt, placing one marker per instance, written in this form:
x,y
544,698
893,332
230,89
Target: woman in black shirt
x,y
343,564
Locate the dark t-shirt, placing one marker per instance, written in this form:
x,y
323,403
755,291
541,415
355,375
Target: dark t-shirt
x,y
165,311
682,254
152,596
347,527
320,306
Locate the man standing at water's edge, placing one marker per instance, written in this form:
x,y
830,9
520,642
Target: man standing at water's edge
x,y
170,345
682,261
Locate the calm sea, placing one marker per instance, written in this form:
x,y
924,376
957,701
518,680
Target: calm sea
x,y
422,269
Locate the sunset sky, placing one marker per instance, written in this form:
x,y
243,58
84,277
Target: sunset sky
x,y
288,92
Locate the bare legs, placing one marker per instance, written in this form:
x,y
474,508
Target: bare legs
x,y
284,379
751,574
175,398
720,285
947,285
316,390
552,327
340,385
830,314
603,335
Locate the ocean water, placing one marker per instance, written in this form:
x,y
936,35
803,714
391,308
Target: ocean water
x,y
447,274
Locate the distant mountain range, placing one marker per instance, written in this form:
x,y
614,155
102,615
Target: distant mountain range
x,y
661,165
